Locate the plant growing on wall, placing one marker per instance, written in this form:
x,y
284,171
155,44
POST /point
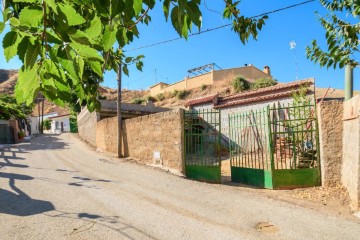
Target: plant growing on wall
x,y
160,97
138,101
239,84
264,82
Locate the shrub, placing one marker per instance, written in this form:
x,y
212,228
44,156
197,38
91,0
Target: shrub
x,y
150,98
182,94
203,87
138,101
264,82
175,93
239,84
46,124
160,97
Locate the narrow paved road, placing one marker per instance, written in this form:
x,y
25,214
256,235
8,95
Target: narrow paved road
x,y
57,188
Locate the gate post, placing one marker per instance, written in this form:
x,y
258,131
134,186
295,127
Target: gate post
x,y
183,140
271,147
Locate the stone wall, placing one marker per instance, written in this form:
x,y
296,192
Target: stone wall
x,y
86,122
330,114
351,150
106,134
155,139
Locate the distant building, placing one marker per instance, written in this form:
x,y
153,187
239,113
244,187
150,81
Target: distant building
x,y
35,121
207,75
60,124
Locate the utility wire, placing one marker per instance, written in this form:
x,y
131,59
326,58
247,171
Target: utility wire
x,y
219,27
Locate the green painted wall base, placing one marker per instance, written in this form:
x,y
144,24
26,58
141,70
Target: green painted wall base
x,y
296,178
253,177
211,174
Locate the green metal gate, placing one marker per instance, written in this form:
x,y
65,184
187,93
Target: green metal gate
x,y
275,147
250,158
202,144
6,134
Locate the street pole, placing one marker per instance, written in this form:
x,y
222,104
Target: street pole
x,y
119,113
348,81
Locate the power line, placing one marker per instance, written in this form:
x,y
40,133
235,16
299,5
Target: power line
x,y
219,27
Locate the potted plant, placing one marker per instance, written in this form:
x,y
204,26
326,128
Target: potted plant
x,y
21,135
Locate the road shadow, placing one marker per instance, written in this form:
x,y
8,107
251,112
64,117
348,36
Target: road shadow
x,y
8,155
46,142
17,202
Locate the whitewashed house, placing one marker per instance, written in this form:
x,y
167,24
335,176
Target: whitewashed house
x,y
60,124
35,120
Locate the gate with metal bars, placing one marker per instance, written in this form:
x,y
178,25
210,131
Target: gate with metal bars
x,y
202,145
6,134
275,147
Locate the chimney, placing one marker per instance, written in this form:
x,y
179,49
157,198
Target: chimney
x,y
267,70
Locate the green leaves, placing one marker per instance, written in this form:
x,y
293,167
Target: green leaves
x,y
109,37
184,15
27,85
10,44
73,18
86,51
31,17
2,26
137,6
342,37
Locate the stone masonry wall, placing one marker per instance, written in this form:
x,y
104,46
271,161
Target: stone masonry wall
x,y
106,134
351,150
330,114
86,122
153,139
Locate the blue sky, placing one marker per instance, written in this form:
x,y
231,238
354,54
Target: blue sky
x,y
171,61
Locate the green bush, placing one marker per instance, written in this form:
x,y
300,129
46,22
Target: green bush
x,y
46,124
160,97
138,101
264,82
182,94
150,98
203,87
239,84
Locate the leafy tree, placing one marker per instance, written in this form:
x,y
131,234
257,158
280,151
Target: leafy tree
x,y
264,82
342,36
10,109
66,45
239,84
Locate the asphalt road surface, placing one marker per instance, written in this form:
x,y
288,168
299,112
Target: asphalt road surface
x,y
56,187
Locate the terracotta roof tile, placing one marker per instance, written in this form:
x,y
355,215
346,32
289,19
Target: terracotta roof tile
x,y
203,100
269,89
255,99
